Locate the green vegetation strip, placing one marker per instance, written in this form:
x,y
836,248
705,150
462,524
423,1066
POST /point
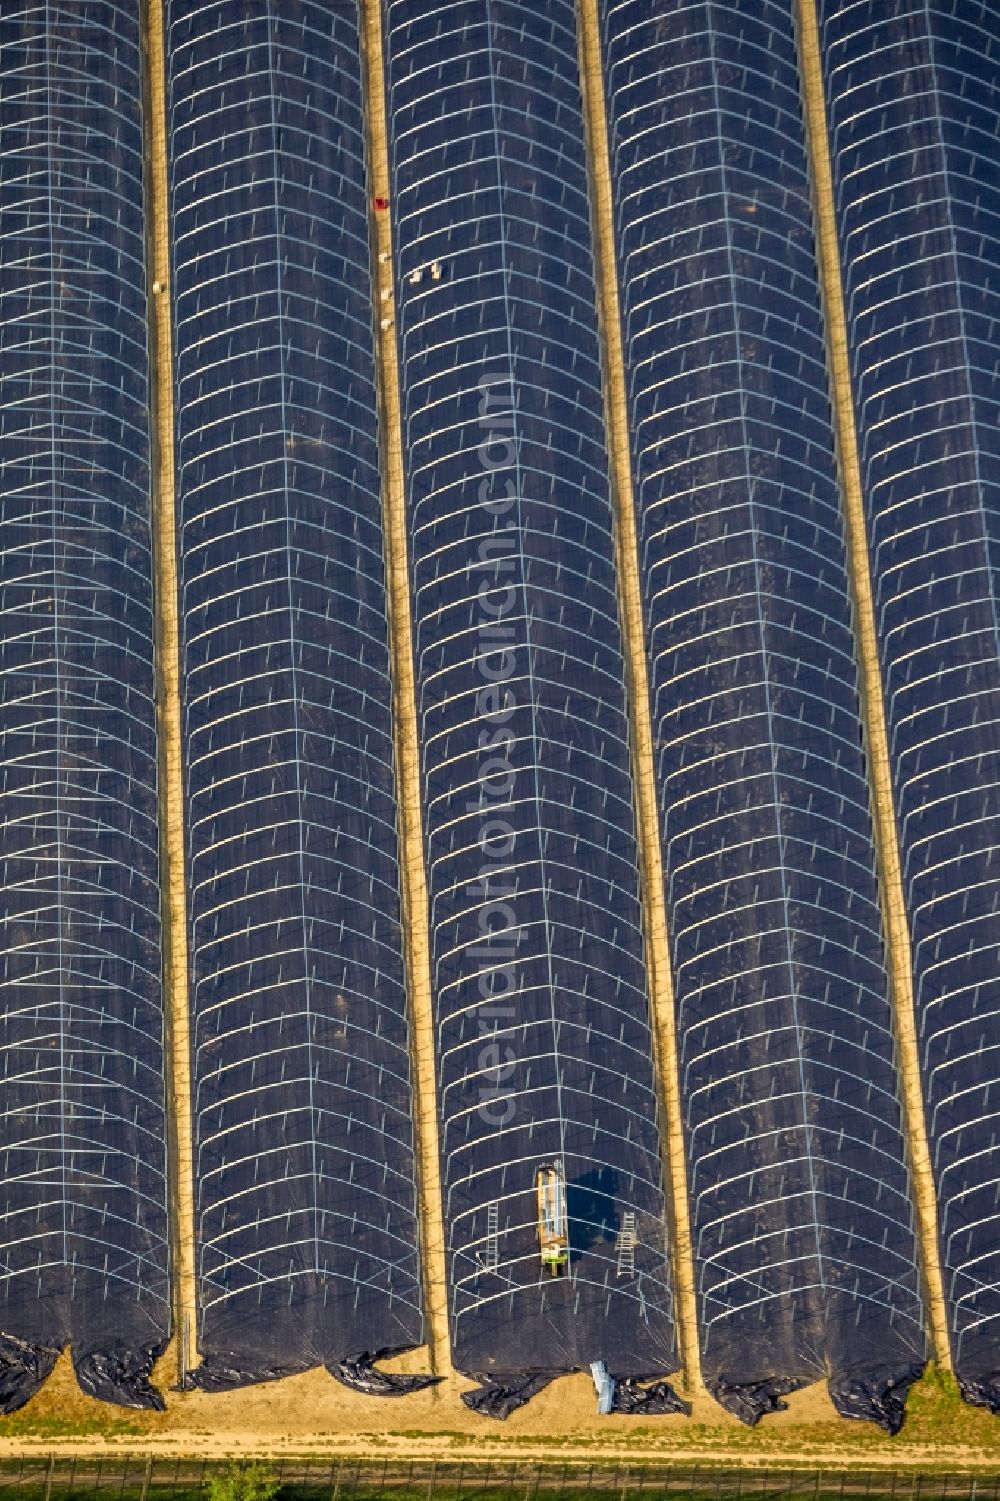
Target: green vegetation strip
x,y
394,1480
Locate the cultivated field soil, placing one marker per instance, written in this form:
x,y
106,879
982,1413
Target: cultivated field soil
x,y
314,1416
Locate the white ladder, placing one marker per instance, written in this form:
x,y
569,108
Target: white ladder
x,y
625,1245
490,1258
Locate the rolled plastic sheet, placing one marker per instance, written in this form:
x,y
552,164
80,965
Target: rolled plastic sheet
x,y
550,1144
83,1247
306,1217
913,108
802,1219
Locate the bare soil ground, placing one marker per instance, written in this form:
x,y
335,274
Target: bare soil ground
x,y
313,1415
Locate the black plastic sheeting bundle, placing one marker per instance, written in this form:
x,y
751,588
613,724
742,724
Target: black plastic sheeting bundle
x,y
358,1372
912,106
303,1124
498,1397
113,1370
82,1158
802,1218
878,1397
544,1041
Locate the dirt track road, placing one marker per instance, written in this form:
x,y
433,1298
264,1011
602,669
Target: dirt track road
x,y
312,1416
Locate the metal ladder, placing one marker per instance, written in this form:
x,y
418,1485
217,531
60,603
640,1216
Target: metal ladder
x,y
625,1245
490,1257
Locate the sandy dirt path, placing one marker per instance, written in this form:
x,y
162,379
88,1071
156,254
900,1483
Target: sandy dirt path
x,y
408,776
177,1036
313,1416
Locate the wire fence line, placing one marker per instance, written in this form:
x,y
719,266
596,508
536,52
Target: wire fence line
x,y
139,1479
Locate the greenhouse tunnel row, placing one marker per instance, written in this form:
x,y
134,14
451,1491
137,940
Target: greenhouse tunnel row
x,y
300,303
